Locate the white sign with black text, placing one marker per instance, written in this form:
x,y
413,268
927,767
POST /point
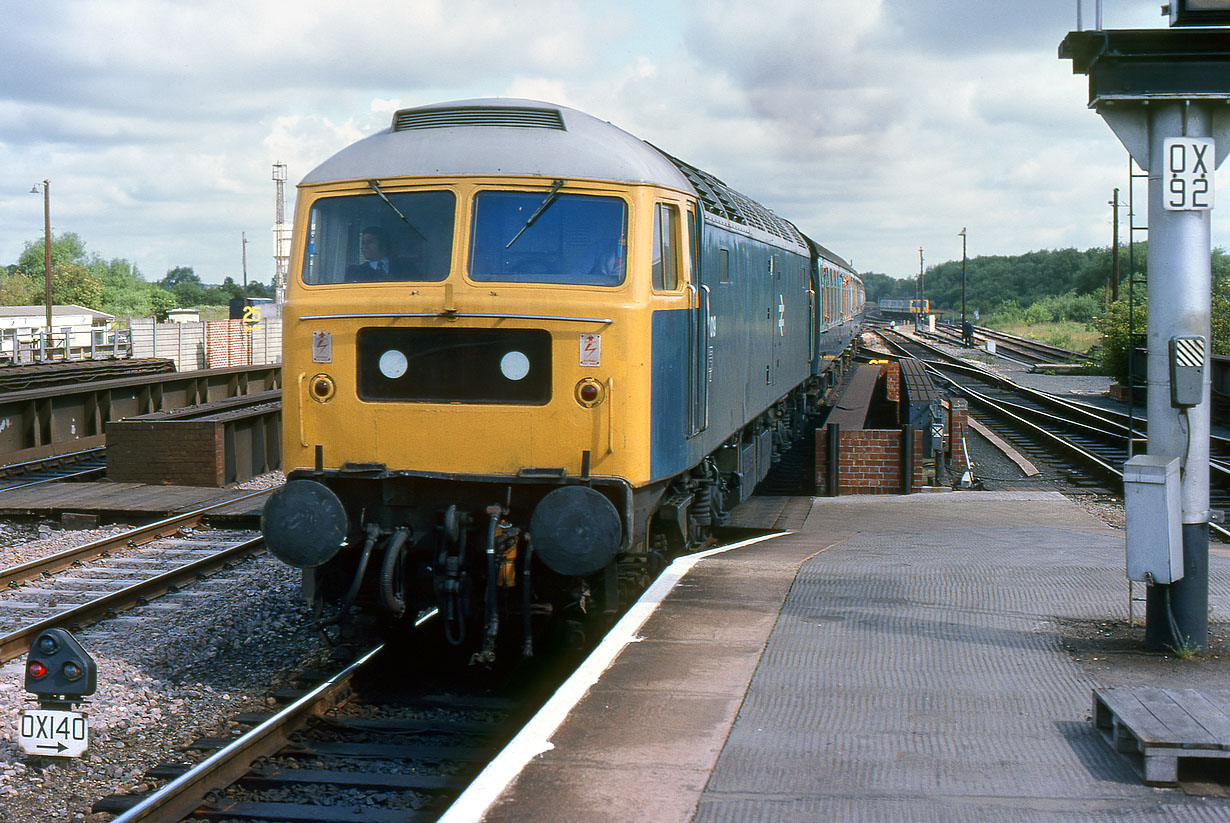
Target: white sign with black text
x,y
1188,183
53,732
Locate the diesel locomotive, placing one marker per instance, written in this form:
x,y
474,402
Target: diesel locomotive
x,y
527,356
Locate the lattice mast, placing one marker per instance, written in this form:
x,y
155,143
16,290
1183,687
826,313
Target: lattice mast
x,y
281,235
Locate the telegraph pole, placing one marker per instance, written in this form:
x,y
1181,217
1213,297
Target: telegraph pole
x,y
1114,249
962,233
921,291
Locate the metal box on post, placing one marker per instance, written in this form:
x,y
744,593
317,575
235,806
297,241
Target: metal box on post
x,y
1154,533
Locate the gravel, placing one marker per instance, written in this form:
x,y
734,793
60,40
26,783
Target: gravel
x,y
168,673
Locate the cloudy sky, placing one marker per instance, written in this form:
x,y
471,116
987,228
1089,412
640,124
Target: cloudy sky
x,y
877,126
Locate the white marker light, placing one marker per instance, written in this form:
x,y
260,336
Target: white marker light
x,y
514,365
393,364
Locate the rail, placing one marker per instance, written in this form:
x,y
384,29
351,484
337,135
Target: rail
x,y
1085,420
16,643
183,795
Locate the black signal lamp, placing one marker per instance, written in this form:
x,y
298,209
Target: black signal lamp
x,y
58,667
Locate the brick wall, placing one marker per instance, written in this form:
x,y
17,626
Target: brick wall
x,y
892,381
870,461
226,344
958,423
184,454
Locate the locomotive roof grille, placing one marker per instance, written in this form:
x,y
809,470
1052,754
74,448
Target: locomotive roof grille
x,y
470,116
718,198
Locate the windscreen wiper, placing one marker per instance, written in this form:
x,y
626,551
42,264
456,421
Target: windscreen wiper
x,y
376,188
546,201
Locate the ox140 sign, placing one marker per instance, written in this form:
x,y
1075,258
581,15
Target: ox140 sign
x,y
53,732
1189,174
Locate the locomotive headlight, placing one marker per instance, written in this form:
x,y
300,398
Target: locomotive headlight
x,y
322,388
589,392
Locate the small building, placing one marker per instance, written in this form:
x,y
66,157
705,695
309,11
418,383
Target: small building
x,y
22,327
183,316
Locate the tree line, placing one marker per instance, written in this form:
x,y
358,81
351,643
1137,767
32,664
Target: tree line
x,y
83,278
995,283
1057,286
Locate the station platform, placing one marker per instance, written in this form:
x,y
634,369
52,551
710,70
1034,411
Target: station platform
x,y
928,657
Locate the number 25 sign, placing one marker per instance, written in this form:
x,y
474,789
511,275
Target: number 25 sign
x,y
1189,174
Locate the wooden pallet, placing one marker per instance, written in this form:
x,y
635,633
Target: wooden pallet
x,y
1158,727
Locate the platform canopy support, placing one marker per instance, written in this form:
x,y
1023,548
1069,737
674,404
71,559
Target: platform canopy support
x,y
1166,95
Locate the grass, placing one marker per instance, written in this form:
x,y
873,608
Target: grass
x,y
1068,334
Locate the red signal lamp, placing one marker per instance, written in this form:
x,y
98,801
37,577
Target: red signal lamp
x,y
36,670
322,388
589,392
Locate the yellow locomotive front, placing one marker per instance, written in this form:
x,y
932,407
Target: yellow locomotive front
x,y
466,365
491,333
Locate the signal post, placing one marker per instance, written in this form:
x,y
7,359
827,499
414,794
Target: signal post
x,y
1166,95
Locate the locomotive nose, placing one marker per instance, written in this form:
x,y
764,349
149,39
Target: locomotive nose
x,y
576,530
304,524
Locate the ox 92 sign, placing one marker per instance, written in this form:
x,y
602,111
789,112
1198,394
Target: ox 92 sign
x,y
1189,174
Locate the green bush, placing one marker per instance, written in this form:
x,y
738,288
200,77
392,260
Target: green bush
x,y
1113,326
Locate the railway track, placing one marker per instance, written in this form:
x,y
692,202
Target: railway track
x,y
1020,348
125,570
378,741
1087,445
87,464
342,750
59,373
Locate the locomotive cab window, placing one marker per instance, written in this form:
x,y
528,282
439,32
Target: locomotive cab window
x,y
547,237
666,247
367,238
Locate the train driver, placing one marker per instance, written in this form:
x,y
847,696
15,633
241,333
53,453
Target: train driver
x,y
377,263
608,267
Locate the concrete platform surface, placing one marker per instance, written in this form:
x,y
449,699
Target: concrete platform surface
x,y
893,659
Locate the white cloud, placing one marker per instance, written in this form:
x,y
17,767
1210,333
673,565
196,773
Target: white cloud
x,y
876,126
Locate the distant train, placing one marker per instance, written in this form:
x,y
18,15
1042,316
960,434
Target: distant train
x,y
904,306
527,356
